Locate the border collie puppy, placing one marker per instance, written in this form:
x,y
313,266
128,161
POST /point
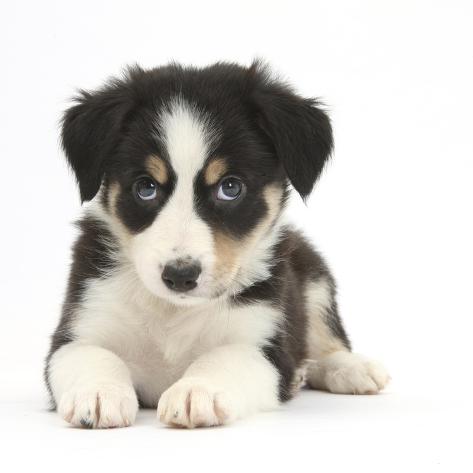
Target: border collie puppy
x,y
187,291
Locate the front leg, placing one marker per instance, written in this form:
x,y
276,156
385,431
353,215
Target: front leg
x,y
225,384
92,387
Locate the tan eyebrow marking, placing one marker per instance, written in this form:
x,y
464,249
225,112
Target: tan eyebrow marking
x,y
157,168
215,170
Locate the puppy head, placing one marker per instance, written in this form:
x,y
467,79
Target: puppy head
x,y
193,166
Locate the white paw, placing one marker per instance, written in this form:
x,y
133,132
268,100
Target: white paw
x,y
192,402
348,373
99,408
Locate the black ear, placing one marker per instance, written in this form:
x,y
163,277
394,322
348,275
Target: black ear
x,y
299,130
90,131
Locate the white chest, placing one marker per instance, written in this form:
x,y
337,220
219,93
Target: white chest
x,y
159,341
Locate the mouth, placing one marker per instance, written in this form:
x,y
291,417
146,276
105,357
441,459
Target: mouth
x,y
193,297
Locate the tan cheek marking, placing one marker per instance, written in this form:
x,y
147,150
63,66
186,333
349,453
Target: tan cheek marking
x,y
273,195
119,227
229,251
157,169
214,171
113,192
226,251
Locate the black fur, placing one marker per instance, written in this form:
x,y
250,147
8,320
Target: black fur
x,y
297,263
266,134
133,212
90,133
270,126
92,257
297,128
86,423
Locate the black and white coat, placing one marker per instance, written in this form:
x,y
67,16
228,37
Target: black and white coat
x,y
187,290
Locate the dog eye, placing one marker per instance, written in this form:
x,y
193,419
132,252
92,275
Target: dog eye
x,y
145,188
230,189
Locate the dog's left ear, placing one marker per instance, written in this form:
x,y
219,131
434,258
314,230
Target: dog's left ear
x,y
298,129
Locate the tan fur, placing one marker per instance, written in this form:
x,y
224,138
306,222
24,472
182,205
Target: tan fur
x,y
113,192
157,168
214,171
121,230
230,251
321,341
226,252
299,379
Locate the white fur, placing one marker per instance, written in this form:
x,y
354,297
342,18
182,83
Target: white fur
x,y
188,135
222,385
178,231
344,372
158,341
92,386
196,353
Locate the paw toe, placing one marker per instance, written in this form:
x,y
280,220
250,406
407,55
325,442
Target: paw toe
x,y
99,408
348,373
194,404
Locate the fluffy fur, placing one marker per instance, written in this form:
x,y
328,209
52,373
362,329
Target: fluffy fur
x,y
187,291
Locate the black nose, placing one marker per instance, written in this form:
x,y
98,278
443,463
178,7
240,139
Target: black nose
x,y
180,275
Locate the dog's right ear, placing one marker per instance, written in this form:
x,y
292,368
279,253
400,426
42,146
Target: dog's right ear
x,y
90,132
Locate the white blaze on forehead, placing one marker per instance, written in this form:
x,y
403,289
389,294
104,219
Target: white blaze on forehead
x,y
178,231
187,136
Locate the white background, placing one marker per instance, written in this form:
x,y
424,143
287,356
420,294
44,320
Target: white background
x,y
392,214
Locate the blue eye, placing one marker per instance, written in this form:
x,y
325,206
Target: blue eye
x,y
230,189
146,188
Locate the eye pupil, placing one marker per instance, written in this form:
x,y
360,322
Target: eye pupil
x,y
146,188
230,189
